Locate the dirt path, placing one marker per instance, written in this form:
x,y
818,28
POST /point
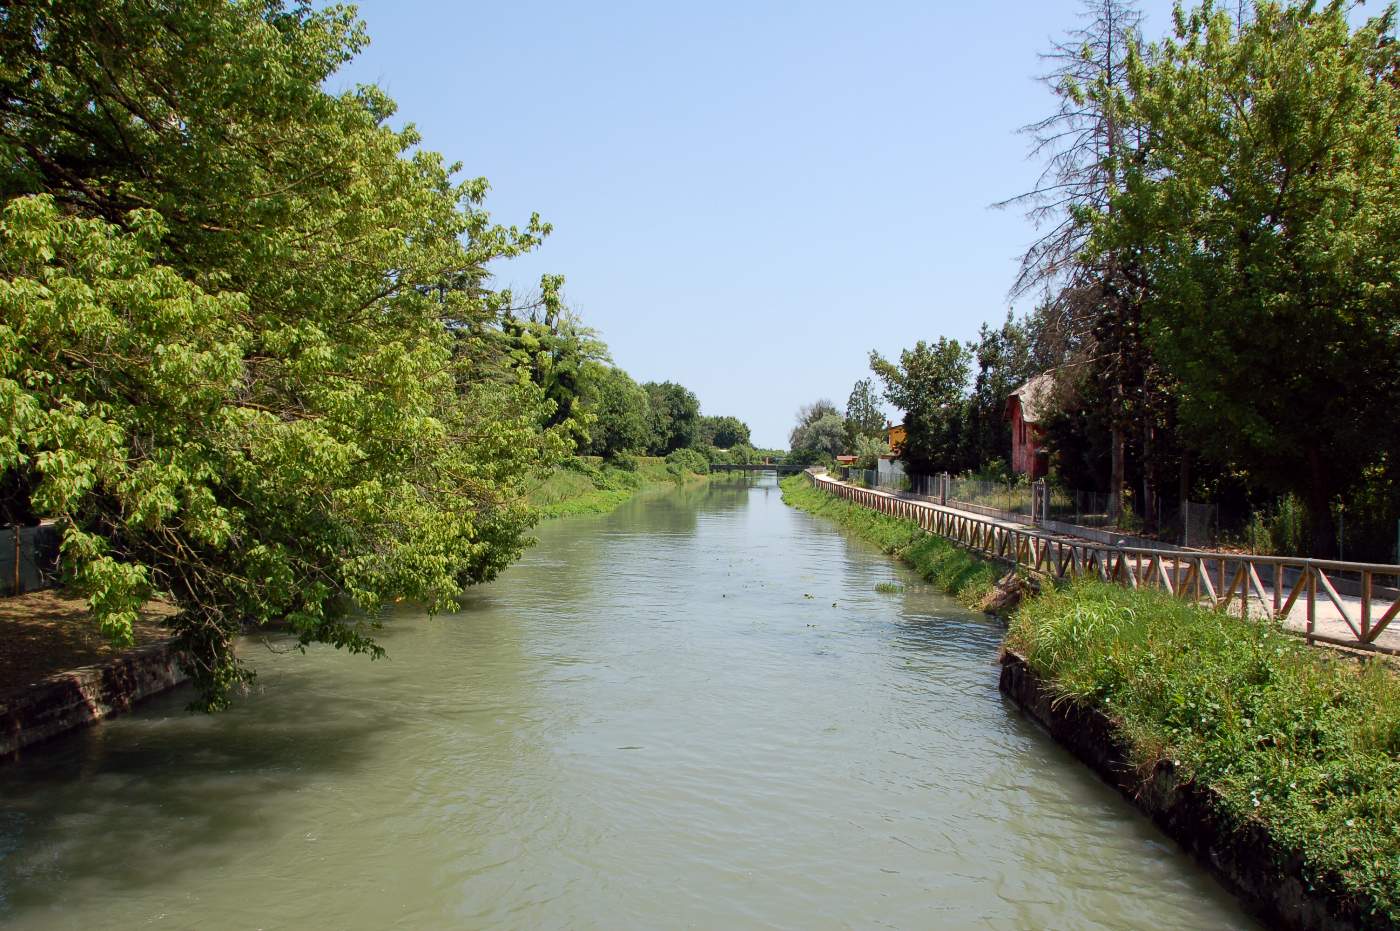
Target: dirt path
x,y
44,633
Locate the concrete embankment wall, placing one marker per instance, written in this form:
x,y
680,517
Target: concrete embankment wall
x,y
1246,859
83,697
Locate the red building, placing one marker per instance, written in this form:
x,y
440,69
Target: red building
x,y
1026,409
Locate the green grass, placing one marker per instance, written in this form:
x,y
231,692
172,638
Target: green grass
x,y
951,568
588,485
889,588
1305,740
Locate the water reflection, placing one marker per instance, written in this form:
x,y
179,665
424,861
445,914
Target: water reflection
x,y
694,712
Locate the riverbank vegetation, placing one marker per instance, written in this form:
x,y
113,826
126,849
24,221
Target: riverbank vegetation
x,y
1302,740
951,568
593,485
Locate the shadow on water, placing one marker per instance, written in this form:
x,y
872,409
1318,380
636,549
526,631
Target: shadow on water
x,y
141,800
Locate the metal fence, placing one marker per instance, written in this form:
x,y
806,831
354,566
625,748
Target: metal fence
x,y
1001,497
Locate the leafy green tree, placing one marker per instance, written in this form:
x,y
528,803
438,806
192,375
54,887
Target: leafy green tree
x,y
723,432
825,435
675,417
929,383
550,345
1004,364
241,328
619,410
1267,218
869,450
864,415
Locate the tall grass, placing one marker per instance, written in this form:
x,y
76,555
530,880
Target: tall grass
x,y
1305,741
951,568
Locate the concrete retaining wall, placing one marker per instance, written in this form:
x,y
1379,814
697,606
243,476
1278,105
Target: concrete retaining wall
x,y
1246,859
84,696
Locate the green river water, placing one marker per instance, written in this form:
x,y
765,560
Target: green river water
x,y
695,712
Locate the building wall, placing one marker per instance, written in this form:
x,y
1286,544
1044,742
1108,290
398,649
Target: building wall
x,y
894,435
1026,442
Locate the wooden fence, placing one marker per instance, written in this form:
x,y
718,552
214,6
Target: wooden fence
x,y
1261,586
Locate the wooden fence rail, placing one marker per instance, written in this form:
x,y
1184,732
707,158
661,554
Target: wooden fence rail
x,y
1261,586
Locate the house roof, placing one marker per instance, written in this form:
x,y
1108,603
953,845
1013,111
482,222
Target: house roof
x,y
1036,397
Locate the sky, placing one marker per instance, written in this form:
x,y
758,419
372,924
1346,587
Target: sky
x,y
747,198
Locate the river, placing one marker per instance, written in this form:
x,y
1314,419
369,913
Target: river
x,y
695,712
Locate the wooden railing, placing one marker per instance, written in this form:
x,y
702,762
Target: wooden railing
x,y
1295,590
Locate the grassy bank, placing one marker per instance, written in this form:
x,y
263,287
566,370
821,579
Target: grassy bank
x,y
588,485
951,568
1302,739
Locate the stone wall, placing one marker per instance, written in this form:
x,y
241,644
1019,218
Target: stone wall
x,y
1246,858
83,697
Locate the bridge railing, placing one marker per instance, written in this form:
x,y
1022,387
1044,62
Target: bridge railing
x,y
1348,598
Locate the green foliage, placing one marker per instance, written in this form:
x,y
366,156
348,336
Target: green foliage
x,y
722,432
247,355
579,486
1266,215
864,415
620,412
741,454
675,417
1305,741
889,588
930,385
825,436
953,569
561,356
1278,531
1004,364
868,451
689,460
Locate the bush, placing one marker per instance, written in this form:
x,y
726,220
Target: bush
x,y
627,462
1279,531
689,460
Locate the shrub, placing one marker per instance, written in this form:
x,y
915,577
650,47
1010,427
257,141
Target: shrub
x,y
689,460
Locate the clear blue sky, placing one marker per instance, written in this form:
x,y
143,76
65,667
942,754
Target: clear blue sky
x,y
747,197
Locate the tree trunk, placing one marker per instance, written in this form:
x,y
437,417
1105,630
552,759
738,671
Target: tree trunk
x,y
1319,498
1149,480
1115,479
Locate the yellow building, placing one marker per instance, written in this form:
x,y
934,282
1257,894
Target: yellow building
x,y
894,435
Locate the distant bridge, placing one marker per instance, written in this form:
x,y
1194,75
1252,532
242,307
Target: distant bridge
x,y
759,467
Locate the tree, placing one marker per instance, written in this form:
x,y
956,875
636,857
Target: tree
x,y
868,452
1089,144
620,412
723,432
826,435
1267,217
807,415
552,346
1003,365
241,352
675,417
864,416
930,385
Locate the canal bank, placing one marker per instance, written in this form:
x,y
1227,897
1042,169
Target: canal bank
x,y
1273,763
594,485
703,709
